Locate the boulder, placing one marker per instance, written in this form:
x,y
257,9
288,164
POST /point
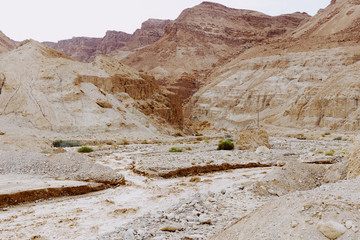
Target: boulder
x,y
252,139
331,229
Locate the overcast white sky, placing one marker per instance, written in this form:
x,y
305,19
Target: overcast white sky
x,y
52,20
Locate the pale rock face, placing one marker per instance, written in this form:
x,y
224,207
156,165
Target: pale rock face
x,y
353,160
306,79
295,89
43,89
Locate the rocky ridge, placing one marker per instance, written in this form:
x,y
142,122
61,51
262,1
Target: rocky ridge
x,y
206,36
114,43
5,43
288,82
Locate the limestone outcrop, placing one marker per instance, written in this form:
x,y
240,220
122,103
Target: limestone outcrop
x,y
50,91
306,79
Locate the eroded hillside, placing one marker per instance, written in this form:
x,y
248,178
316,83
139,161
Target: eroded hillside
x,y
206,36
51,92
307,79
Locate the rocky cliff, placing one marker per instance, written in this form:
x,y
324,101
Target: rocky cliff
x,y
204,37
151,31
5,43
85,49
50,91
307,79
118,44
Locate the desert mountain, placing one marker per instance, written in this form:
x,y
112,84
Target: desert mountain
x,y
341,17
121,44
307,79
151,31
85,49
5,43
41,88
206,36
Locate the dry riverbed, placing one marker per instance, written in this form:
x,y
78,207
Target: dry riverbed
x,y
158,200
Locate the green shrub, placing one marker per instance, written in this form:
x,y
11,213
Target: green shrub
x,y
175,149
61,143
338,139
85,149
226,145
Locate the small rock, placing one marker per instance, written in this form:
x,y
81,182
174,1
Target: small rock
x,y
2,133
280,164
203,219
211,199
170,216
223,192
195,179
294,224
348,224
190,219
331,229
173,227
262,149
129,234
194,237
141,232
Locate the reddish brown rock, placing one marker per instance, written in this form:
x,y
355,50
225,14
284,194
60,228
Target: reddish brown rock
x,y
85,49
206,36
5,43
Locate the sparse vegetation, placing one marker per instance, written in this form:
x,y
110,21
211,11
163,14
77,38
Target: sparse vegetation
x,y
145,142
337,139
319,151
85,149
331,153
175,149
226,145
62,143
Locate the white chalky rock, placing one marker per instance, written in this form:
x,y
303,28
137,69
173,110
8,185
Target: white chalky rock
x,y
262,149
331,229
